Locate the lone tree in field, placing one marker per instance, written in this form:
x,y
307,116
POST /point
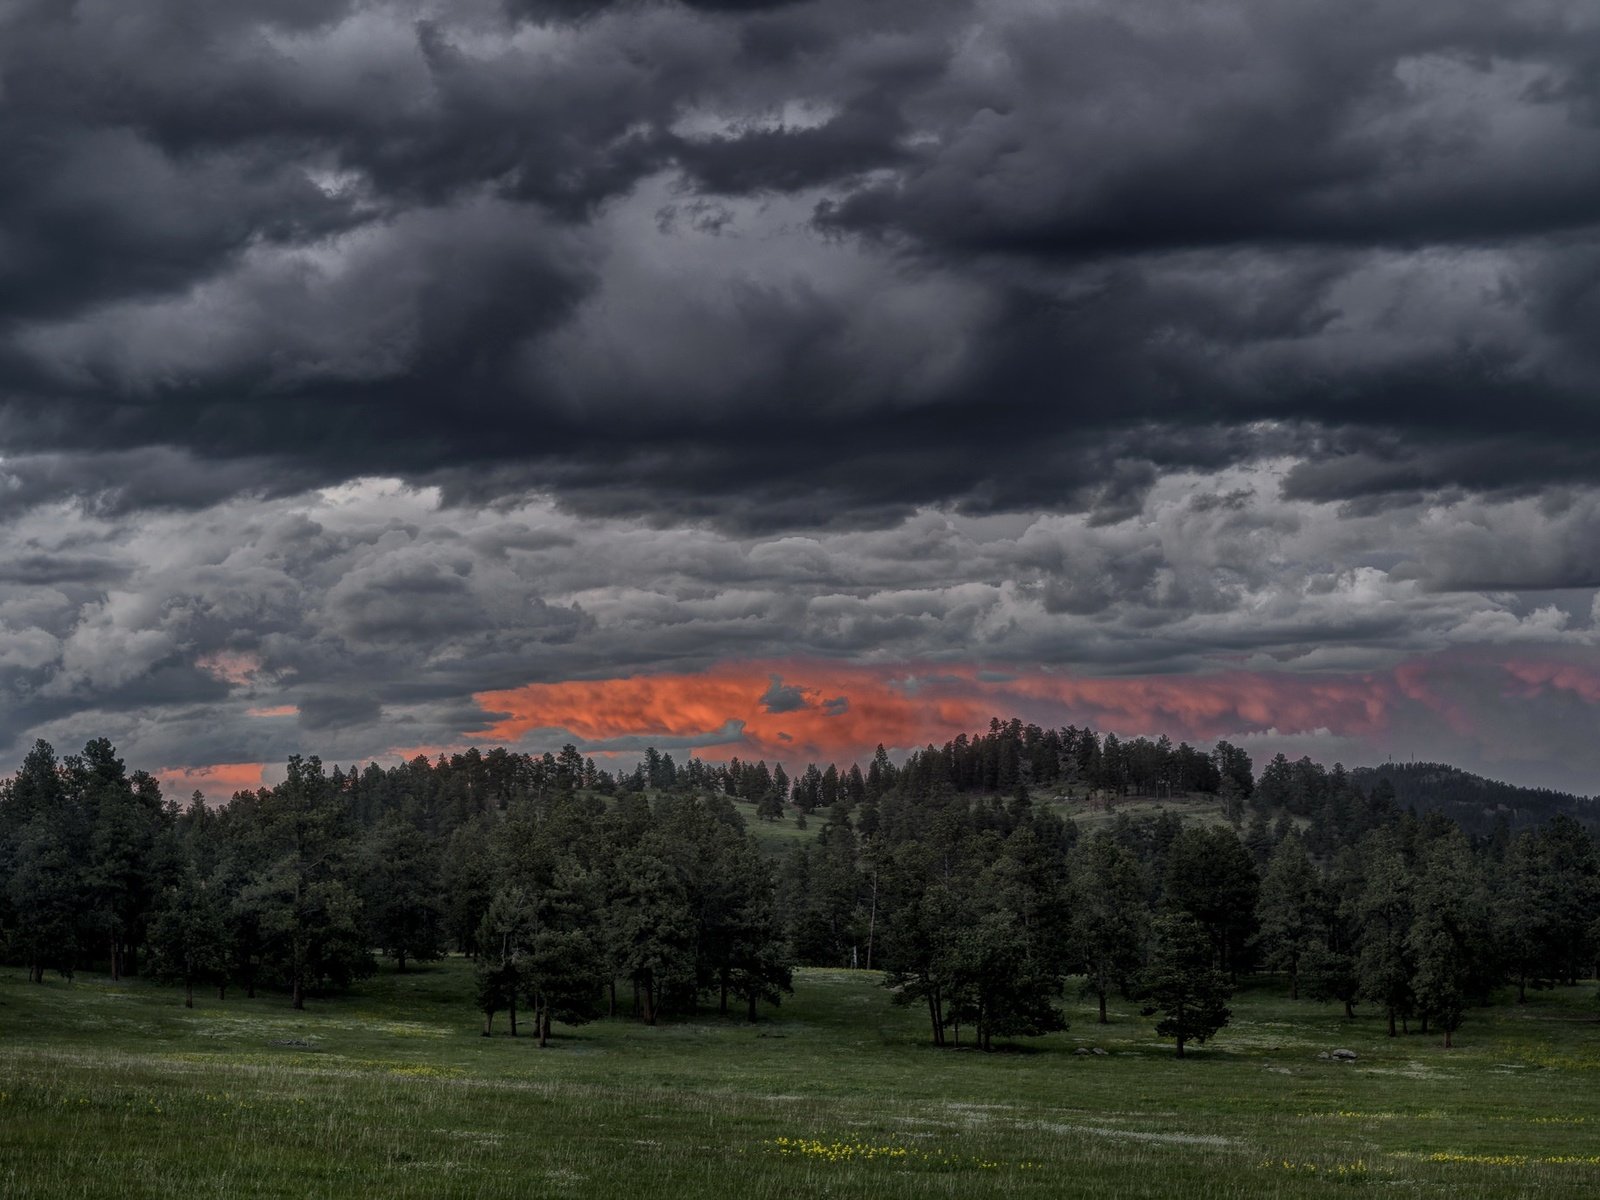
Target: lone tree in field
x,y
1181,983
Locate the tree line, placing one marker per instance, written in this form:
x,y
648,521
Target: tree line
x,y
580,892
559,895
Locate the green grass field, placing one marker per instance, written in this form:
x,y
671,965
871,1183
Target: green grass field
x,y
777,837
117,1090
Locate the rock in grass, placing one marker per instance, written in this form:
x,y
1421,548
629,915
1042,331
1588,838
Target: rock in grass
x,y
1343,1055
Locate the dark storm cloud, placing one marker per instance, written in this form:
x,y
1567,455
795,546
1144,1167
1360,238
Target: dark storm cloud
x,y
1134,336
38,568
780,699
294,243
334,710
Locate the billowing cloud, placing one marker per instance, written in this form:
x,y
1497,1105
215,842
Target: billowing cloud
x,y
374,620
830,261
1227,365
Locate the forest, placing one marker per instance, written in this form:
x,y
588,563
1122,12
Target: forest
x,y
580,892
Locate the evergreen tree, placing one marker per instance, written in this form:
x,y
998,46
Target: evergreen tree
x,y
1210,876
1449,938
1109,924
305,900
188,937
1289,910
47,891
502,938
1182,985
1384,963
467,884
401,891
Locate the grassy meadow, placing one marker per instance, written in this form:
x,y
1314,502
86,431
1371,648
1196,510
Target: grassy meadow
x,y
114,1089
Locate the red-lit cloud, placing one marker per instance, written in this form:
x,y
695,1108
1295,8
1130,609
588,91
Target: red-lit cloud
x,y
1535,676
275,710
848,709
218,781
807,710
230,666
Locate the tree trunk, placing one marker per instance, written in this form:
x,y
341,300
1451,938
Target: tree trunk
x,y
1391,1022
1447,1044
611,989
488,1023
722,1001
116,973
1180,1045
222,991
1102,992
1423,1028
1522,987
511,1011
647,990
298,993
400,962
750,997
188,992
1294,982
541,1022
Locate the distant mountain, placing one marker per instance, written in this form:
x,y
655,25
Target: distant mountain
x,y
1472,801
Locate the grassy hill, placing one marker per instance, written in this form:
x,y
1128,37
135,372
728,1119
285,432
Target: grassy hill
x,y
1092,813
776,837
117,1090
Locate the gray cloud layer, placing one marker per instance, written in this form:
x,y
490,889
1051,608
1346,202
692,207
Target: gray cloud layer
x,y
1135,335
361,620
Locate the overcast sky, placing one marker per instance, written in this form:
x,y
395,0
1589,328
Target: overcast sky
x,y
773,379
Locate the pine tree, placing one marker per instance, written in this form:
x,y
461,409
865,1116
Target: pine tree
x,y
304,899
1109,922
401,891
1384,963
1289,910
188,937
1449,937
1182,985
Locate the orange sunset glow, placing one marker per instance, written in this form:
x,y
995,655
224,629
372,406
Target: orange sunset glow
x,y
217,781
721,711
807,710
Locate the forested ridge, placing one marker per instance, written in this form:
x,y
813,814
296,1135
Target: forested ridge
x,y
581,892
